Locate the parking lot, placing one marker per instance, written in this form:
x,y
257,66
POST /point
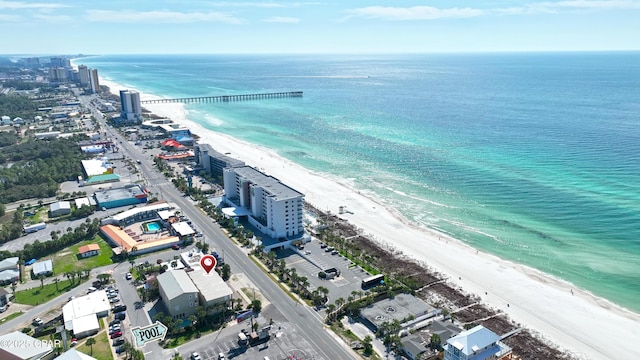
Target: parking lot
x,y
285,343
314,258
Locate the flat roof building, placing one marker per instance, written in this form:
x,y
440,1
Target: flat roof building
x,y
400,307
81,314
212,289
214,162
128,195
276,209
138,214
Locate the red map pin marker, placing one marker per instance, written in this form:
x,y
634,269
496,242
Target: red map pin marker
x,y
208,263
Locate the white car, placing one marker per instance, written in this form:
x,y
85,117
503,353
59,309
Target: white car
x,y
129,276
3,308
195,356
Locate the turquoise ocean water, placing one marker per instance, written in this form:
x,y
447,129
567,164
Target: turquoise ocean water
x,y
532,157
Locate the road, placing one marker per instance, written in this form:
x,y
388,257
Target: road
x,y
303,319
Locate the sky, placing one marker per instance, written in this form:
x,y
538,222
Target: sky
x,y
325,26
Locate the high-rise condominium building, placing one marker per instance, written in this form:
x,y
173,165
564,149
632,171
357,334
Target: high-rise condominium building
x,y
131,108
274,208
94,84
83,73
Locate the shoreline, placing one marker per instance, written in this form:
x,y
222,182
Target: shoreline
x,y
566,316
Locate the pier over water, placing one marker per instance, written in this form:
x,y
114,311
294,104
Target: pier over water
x,y
226,98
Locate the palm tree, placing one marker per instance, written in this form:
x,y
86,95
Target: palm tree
x,y
56,280
174,264
90,342
41,278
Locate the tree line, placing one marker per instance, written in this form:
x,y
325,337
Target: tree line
x,y
38,167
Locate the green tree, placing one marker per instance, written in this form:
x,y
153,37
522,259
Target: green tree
x,y
56,280
91,341
256,306
368,347
226,272
41,278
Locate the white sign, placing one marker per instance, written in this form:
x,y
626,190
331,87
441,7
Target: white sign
x,y
149,333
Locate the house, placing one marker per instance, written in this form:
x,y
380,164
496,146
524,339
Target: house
x,y
9,271
88,250
4,299
43,351
60,208
42,268
478,343
73,354
178,293
413,346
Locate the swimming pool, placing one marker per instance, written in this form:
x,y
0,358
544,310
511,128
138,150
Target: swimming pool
x,y
152,226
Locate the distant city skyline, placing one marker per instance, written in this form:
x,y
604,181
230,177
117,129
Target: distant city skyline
x,y
199,27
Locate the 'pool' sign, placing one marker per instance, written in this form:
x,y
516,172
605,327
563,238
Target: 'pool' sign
x,y
149,333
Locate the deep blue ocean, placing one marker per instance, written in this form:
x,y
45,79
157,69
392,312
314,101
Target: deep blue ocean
x,y
534,157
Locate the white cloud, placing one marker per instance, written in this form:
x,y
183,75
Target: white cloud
x,y
25,5
431,13
129,16
52,18
247,4
10,18
282,19
414,13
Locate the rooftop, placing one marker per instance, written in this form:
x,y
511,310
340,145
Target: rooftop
x,y
90,304
94,167
86,248
24,352
211,285
182,228
42,267
231,162
473,340
126,192
272,185
73,354
175,283
399,307
125,241
152,207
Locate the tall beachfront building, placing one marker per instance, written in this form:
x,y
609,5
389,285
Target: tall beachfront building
x,y
83,75
213,162
94,84
271,206
57,75
131,108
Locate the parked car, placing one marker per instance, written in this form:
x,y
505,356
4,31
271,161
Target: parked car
x,y
175,247
115,329
118,342
114,300
37,321
3,308
114,322
121,316
119,308
195,356
128,276
120,349
116,334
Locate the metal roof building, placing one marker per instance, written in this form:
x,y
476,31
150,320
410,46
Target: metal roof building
x,y
24,352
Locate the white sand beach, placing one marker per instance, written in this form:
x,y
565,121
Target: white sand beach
x,y
588,326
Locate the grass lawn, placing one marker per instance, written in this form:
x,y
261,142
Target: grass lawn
x,y
67,260
10,317
37,295
101,349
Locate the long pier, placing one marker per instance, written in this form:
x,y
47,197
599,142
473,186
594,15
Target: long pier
x,y
226,98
